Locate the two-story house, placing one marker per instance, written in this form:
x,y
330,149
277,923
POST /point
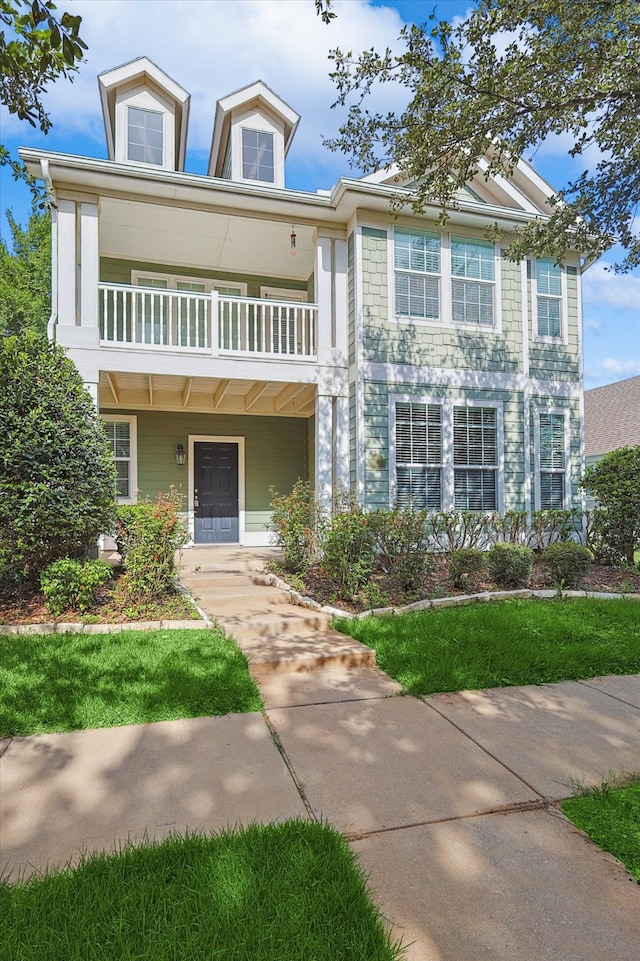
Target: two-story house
x,y
238,335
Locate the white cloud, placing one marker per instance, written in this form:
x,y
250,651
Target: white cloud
x,y
603,287
594,327
621,368
212,48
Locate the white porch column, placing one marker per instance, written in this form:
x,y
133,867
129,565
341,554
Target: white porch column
x,y
324,449
340,295
89,265
323,297
66,259
341,445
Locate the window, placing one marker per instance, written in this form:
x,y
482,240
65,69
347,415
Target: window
x,y
551,447
419,456
121,432
417,273
475,458
472,282
257,156
145,136
549,298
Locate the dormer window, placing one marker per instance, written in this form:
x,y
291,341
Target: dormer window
x,y
145,136
257,156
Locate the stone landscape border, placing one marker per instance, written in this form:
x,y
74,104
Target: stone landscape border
x,y
458,600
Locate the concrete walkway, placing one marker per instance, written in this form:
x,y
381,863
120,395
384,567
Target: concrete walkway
x,y
449,801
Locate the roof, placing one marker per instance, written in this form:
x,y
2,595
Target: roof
x,y
612,417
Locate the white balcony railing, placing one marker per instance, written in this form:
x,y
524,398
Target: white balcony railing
x,y
206,323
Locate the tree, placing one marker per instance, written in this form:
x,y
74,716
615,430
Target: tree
x,y
25,276
615,481
57,476
36,49
495,86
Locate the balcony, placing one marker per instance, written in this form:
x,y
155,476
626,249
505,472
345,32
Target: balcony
x,y
211,323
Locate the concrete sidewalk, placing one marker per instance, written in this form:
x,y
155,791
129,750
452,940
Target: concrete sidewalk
x,y
447,801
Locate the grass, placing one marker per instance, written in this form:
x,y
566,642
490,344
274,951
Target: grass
x,y
286,892
503,643
610,815
69,682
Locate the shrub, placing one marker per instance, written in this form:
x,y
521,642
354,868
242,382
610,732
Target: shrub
x,y
401,544
294,524
69,584
552,526
147,537
510,564
568,562
346,545
465,566
615,482
57,477
455,530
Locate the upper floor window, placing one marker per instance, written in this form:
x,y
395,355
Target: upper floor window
x,y
552,460
145,136
472,281
257,156
417,273
549,297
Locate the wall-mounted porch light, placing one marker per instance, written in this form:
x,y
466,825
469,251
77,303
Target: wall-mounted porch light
x,y
293,241
181,456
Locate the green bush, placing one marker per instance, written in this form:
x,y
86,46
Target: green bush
x,y
456,530
615,482
346,547
568,562
147,537
57,477
401,544
465,566
293,521
510,565
70,585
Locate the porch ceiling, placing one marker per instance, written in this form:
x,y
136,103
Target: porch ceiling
x,y
208,395
189,237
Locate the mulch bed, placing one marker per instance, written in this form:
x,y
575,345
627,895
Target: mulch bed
x,y
610,579
23,604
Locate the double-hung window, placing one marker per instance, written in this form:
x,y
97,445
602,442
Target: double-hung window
x,y
258,156
549,298
475,458
552,456
145,136
472,281
419,455
121,432
417,273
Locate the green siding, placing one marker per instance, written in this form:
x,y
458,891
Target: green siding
x,y
353,435
114,271
351,298
376,440
276,453
558,361
436,345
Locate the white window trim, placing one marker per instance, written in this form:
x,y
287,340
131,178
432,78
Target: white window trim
x,y
447,404
173,280
538,338
144,99
566,415
445,279
133,456
283,293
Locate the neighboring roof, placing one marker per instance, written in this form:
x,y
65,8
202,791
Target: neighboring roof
x,y
259,94
140,69
612,417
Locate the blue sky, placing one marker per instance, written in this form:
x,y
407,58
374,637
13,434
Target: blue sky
x,y
212,47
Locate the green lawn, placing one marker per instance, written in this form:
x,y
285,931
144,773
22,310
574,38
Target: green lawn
x,y
611,818
66,682
286,892
503,643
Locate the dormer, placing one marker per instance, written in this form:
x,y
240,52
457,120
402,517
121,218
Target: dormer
x,y
145,115
252,133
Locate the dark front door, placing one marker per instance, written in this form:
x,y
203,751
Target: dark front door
x,y
216,493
